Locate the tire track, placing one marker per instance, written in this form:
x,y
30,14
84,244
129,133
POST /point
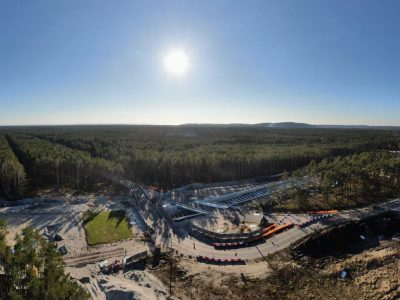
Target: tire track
x,y
93,257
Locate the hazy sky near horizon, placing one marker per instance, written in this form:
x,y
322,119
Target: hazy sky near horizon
x,y
95,61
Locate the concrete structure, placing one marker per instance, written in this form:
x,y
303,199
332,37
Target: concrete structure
x,y
178,213
229,200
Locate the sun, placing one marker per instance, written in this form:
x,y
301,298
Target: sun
x,y
176,62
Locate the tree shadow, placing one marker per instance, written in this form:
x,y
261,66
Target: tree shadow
x,y
89,216
119,215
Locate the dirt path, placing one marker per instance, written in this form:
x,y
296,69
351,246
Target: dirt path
x,y
85,259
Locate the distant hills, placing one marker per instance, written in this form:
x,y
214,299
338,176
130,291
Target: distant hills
x,y
286,125
295,125
258,125
305,125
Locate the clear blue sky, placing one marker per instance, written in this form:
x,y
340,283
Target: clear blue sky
x,y
79,61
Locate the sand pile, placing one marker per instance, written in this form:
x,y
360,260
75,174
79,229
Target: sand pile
x,y
126,286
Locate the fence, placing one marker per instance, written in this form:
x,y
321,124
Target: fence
x,y
135,258
196,231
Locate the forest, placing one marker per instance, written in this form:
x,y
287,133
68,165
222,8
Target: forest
x,y
345,182
12,172
34,269
171,156
51,163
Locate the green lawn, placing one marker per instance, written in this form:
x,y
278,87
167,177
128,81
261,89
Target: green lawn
x,y
106,227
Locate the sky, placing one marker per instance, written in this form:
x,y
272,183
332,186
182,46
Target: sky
x,y
96,62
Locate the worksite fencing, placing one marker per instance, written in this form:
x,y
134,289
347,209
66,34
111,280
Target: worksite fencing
x,y
314,220
262,235
197,231
207,259
135,258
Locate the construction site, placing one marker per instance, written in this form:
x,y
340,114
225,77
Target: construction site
x,y
179,235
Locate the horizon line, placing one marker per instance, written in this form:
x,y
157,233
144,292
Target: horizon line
x,y
196,124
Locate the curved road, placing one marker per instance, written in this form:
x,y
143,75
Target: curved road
x,y
193,247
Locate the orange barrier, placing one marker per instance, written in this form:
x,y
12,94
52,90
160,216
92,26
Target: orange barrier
x,y
267,228
266,232
244,243
278,229
254,239
322,212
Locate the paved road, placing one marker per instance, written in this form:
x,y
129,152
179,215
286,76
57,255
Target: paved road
x,y
193,247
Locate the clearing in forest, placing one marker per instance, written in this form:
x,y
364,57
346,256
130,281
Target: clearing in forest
x,y
106,227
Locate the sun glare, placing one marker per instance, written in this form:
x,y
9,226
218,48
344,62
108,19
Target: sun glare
x,y
176,62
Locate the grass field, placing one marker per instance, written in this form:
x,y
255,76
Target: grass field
x,y
106,227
